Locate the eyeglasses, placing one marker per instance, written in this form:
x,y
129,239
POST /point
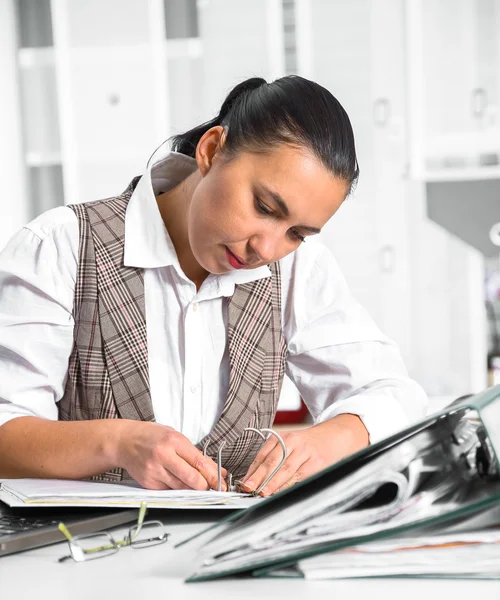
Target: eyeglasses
x,y
97,545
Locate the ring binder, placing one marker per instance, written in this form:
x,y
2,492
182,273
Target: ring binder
x,y
438,473
237,486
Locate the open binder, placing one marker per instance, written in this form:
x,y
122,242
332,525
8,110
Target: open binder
x,y
425,480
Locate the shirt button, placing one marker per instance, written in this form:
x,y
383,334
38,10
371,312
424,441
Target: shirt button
x,y
194,389
195,307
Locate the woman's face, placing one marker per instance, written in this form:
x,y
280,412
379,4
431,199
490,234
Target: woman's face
x,y
258,207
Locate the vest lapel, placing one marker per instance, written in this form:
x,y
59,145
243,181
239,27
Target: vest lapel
x,y
122,312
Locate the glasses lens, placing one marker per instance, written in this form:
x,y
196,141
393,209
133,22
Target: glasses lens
x,y
150,534
88,547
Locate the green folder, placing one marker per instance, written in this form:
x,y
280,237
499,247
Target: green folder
x,y
431,476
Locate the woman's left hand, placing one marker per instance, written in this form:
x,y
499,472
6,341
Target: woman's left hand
x,y
309,451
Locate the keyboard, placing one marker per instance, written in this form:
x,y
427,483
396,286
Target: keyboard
x,y
15,524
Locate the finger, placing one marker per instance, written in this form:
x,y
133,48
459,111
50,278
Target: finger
x,y
197,470
292,464
188,474
290,471
172,482
308,468
299,475
155,484
263,453
162,479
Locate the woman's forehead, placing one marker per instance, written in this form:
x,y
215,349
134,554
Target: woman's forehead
x,y
297,177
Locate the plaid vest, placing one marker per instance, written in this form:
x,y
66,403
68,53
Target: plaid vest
x,y
108,367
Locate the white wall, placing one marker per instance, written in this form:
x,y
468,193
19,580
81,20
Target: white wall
x,y
447,308
13,206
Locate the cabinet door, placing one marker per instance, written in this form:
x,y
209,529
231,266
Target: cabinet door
x,y
240,40
339,59
185,79
111,92
449,57
453,67
107,94
357,52
389,165
487,73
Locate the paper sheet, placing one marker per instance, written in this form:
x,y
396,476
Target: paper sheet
x,y
61,492
457,554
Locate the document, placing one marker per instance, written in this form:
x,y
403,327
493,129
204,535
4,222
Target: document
x,y
466,555
60,492
433,475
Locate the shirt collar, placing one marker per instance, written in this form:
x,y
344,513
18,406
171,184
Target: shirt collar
x,y
147,242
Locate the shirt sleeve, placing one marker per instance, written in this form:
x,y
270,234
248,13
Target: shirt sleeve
x,y
37,279
338,359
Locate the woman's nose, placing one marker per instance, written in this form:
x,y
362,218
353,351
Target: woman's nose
x,y
265,247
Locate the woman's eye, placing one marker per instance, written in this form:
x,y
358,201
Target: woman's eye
x,y
265,210
296,235
262,208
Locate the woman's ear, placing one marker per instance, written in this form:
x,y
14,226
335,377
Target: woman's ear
x,y
209,147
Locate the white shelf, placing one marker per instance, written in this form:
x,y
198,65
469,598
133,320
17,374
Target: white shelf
x,y
46,159
36,57
178,48
458,174
184,48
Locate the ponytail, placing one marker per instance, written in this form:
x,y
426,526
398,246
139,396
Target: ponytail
x,y
291,110
186,143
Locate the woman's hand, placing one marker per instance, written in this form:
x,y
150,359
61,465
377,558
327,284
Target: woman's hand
x,y
159,458
309,451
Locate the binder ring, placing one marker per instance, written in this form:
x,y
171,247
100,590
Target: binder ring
x,y
283,447
230,477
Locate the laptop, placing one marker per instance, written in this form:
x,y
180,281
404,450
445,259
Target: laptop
x,y
25,527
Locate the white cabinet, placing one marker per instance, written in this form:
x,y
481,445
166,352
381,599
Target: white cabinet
x,y
13,205
104,82
422,286
113,107
453,93
93,106
454,88
389,185
357,52
240,40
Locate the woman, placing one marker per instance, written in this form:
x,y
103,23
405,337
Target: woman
x,y
138,329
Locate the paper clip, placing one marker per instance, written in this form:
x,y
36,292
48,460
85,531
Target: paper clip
x,y
236,487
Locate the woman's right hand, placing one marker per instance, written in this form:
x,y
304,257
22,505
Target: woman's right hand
x,y
159,458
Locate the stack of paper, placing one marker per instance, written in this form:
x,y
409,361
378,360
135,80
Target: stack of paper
x,y
60,492
468,554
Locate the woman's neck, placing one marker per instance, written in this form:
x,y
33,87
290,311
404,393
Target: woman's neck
x,y
174,209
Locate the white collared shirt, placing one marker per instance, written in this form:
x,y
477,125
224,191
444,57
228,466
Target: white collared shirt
x,y
338,359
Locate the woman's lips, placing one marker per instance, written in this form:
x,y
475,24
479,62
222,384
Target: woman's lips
x,y
234,261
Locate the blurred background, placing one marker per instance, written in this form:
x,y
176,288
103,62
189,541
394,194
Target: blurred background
x,y
90,87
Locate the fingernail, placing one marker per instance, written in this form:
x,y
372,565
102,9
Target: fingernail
x,y
265,491
249,484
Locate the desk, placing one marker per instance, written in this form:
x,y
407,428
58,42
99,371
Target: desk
x,y
158,573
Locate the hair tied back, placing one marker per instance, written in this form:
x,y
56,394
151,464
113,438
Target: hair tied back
x,y
236,94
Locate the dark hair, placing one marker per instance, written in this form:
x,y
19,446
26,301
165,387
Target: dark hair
x,y
258,115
